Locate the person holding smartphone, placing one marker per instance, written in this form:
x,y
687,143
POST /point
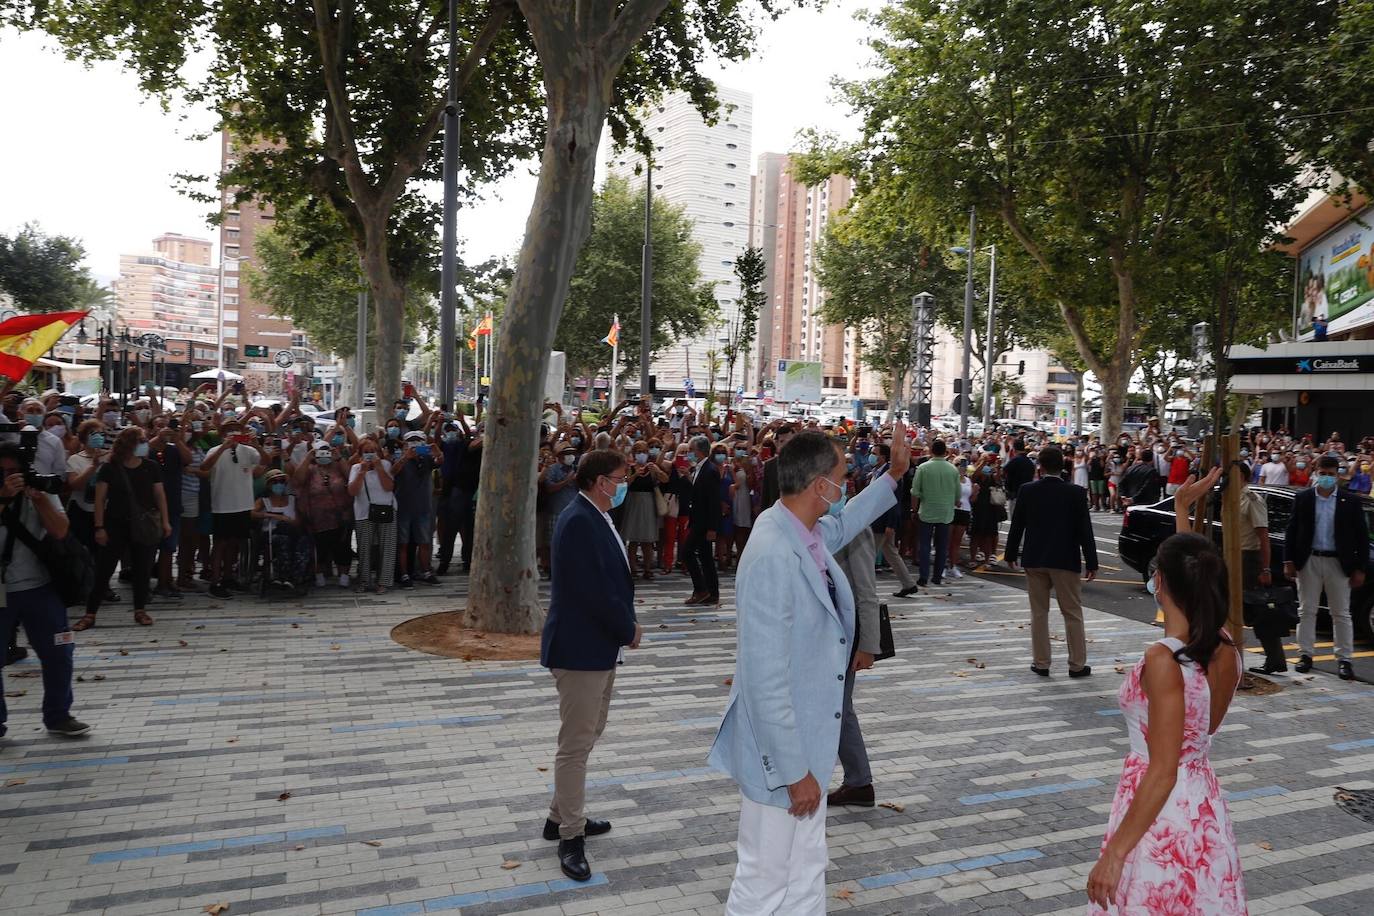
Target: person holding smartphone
x,y
374,513
230,468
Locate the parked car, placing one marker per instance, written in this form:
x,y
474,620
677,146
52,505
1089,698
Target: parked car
x,y
1144,528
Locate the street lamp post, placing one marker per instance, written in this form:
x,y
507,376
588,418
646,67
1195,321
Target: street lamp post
x,y
646,279
968,324
219,333
988,355
448,268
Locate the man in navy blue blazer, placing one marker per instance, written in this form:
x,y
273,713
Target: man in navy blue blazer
x,y
591,615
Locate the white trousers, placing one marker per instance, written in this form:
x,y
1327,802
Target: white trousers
x,y
1325,574
782,863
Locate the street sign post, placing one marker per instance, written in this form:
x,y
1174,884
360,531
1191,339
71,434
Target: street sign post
x,y
285,359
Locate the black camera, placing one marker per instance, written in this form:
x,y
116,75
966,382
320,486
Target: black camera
x,y
26,437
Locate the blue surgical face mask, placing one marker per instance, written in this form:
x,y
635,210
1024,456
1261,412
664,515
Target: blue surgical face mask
x,y
1326,481
278,489
450,436
1301,465
836,507
655,452
323,458
400,413
393,432
197,426
987,469
740,452
718,458
576,440
620,490
336,439
33,419
96,440
141,450
1152,586
872,459
255,427
691,458
642,458
352,423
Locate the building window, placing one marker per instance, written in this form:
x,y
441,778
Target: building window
x,y
298,340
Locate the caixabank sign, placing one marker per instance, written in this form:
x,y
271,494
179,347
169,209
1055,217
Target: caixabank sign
x,y
1301,365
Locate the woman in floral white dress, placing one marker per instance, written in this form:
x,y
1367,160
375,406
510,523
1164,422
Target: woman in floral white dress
x,y
1170,849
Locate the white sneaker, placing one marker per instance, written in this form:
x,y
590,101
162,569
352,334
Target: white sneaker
x,y
319,580
955,573
343,581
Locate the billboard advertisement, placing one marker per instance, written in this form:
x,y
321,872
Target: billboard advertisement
x,y
1336,278
798,382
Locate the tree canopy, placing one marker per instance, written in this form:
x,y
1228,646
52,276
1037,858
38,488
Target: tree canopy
x,y
607,282
1090,132
43,273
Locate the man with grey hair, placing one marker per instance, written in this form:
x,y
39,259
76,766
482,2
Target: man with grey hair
x,y
796,638
703,521
602,441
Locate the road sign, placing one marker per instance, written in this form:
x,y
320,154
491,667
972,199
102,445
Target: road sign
x,y
326,372
285,359
151,341
255,350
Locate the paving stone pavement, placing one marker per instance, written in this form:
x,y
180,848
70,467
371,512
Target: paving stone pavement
x,y
289,758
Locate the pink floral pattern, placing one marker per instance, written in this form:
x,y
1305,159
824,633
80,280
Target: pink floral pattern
x,y
1187,863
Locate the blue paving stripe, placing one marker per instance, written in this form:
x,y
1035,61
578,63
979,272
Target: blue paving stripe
x,y
892,878
248,621
1261,792
1352,745
973,685
1109,712
64,764
504,671
1029,791
700,722
174,849
415,723
458,901
240,698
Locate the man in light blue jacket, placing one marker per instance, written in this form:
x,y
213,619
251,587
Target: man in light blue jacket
x,y
780,736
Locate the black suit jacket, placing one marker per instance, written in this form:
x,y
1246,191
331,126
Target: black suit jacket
x,y
1053,517
592,609
705,514
771,494
1352,534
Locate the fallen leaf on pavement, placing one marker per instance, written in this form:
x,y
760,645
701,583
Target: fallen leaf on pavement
x,y
214,909
15,693
893,805
335,647
508,865
844,893
372,842
284,796
201,627
14,782
224,650
25,674
183,643
299,847
542,769
123,651
1120,669
1265,844
233,741
976,663
728,681
295,626
960,674
663,626
98,677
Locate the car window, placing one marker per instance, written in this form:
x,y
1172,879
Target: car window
x,y
1280,507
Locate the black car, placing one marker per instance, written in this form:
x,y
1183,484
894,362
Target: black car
x,y
1144,528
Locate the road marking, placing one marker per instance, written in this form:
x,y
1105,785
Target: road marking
x,y
1017,575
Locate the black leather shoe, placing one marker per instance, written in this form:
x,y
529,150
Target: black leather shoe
x,y
572,858
594,828
1268,668
859,796
1043,672
1304,664
906,592
1347,670
1085,671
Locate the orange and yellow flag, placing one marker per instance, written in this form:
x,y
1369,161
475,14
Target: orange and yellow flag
x,y
25,338
613,335
483,326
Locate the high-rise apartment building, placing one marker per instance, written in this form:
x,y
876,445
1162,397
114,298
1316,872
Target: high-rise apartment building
x,y
704,168
253,336
797,216
169,291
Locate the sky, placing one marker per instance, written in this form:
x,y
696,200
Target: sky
x,y
86,155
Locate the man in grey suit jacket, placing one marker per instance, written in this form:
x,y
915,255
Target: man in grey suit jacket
x,y
857,559
795,624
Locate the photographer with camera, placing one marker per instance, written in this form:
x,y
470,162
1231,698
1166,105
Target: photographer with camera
x,y
27,515
51,457
130,515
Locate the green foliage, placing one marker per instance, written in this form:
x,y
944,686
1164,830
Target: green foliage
x,y
43,273
608,281
751,270
1090,132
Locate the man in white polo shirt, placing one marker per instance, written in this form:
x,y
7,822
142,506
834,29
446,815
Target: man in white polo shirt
x,y
230,465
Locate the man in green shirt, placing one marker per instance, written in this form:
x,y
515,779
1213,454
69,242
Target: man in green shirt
x,y
934,494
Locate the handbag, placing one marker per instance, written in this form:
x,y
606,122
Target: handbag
x,y
381,514
68,562
672,507
145,525
1276,604
660,503
998,497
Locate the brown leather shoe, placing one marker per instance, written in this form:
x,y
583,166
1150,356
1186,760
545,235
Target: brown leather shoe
x,y
697,598
859,796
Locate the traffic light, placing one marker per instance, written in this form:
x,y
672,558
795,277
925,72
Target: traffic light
x,y
653,384
1021,368
959,386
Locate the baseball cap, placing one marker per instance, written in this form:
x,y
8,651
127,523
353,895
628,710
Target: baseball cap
x,y
414,436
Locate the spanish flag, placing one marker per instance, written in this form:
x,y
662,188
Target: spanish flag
x,y
483,326
613,335
25,338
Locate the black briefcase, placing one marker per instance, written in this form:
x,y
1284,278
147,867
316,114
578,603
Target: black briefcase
x,y
1277,604
886,647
